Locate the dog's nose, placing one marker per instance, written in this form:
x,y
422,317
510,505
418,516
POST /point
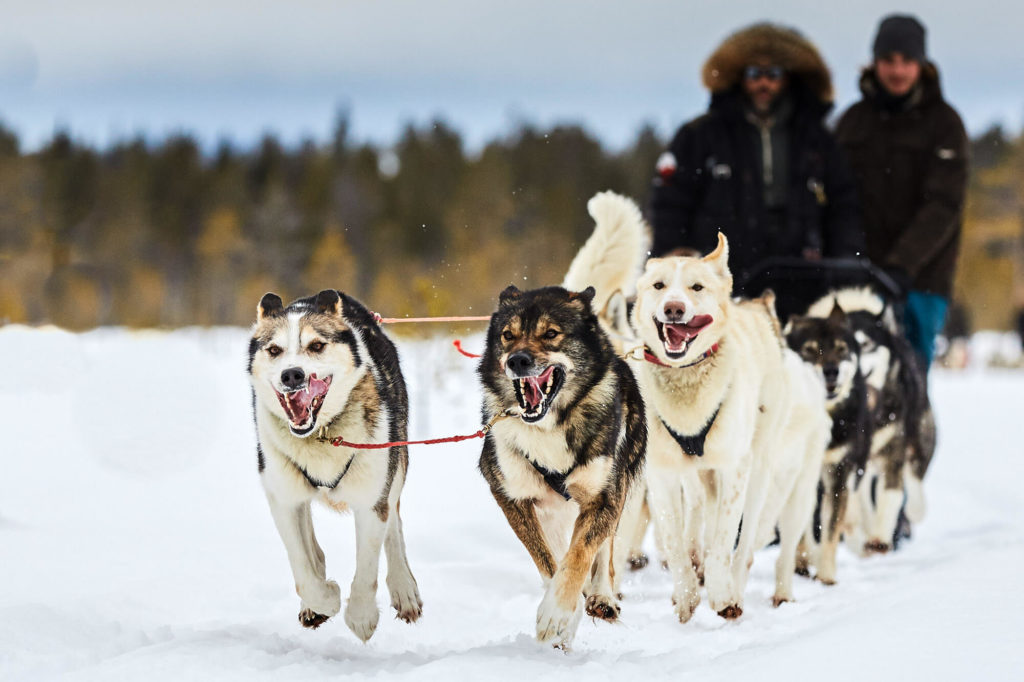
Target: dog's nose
x,y
674,311
293,377
520,362
831,374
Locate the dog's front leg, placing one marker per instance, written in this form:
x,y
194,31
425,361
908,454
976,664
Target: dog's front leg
x,y
833,511
560,610
321,598
667,511
601,602
729,497
361,614
888,496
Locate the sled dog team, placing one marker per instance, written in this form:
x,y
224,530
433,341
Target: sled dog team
x,y
723,429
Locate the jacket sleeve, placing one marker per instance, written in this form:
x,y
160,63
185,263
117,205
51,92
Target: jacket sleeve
x,y
675,192
844,231
937,220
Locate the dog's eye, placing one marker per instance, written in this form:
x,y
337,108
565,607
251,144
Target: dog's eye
x,y
316,346
841,348
551,333
697,287
274,351
659,285
507,335
810,349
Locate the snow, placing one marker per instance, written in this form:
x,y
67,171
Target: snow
x,y
135,542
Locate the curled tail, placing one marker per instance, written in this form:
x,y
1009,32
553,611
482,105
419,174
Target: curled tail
x,y
614,254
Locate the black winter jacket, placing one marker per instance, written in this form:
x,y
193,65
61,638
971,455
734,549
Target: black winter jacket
x,y
717,185
910,163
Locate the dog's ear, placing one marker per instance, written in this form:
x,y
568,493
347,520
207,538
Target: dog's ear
x,y
791,324
511,293
719,258
836,318
328,302
270,305
585,297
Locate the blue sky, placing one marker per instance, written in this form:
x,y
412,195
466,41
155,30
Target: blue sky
x,y
111,69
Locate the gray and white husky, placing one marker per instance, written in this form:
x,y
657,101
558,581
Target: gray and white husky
x,y
321,369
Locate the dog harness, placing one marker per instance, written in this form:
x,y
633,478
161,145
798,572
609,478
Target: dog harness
x,y
554,479
693,445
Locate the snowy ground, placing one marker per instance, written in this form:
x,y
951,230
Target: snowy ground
x,y
135,543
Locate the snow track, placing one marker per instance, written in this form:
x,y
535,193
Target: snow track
x,y
135,543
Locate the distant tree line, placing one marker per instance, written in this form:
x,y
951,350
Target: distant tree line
x,y
164,235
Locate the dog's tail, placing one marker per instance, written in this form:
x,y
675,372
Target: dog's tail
x,y
850,299
613,255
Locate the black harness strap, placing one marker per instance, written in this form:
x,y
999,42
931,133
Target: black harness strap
x,y
693,445
555,480
319,484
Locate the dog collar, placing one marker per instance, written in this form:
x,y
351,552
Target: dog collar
x,y
649,356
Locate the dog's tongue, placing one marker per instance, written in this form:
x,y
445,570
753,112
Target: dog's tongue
x,y
532,391
297,403
677,335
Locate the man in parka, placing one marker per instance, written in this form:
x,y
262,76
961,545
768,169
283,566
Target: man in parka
x,y
908,150
760,165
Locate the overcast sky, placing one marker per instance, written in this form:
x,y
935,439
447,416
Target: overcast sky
x,y
110,69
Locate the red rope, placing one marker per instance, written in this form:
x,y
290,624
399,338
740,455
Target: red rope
x,y
458,347
338,442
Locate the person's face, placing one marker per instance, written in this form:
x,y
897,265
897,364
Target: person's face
x,y
897,73
763,83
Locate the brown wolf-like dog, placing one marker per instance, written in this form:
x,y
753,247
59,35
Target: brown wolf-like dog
x,y
566,460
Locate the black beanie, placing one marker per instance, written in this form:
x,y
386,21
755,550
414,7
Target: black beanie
x,y
900,33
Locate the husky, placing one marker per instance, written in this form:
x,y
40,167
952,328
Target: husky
x,y
322,369
793,466
902,424
829,345
562,462
611,261
716,415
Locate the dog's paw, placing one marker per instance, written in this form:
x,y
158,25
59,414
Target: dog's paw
x,y
802,569
556,625
309,618
731,612
638,562
827,580
603,607
778,600
876,546
323,598
361,616
684,603
407,604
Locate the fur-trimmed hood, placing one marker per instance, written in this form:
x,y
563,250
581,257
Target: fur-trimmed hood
x,y
783,46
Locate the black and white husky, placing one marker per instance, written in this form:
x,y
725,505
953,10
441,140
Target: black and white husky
x,y
902,423
322,369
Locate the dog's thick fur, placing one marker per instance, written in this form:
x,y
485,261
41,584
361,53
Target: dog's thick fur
x,y
719,380
567,459
611,260
321,368
828,344
902,424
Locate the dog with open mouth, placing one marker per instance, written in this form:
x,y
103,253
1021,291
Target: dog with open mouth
x,y
322,369
719,405
562,462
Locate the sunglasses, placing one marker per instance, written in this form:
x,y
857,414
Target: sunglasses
x,y
772,73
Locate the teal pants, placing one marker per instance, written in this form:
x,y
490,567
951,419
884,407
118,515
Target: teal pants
x,y
925,315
